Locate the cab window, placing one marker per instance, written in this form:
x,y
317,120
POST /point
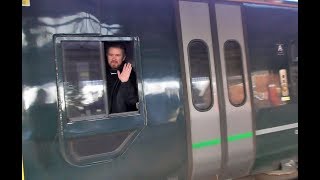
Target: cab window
x,y
89,130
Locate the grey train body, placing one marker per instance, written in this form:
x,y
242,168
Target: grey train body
x,y
217,84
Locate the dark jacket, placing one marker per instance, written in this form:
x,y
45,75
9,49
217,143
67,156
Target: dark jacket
x,y
122,97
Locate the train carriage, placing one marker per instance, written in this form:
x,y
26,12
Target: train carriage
x,y
217,85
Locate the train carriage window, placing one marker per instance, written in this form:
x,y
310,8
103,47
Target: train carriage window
x,y
234,68
200,75
91,130
275,83
83,79
87,79
273,57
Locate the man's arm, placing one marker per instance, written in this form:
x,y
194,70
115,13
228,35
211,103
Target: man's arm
x,y
128,87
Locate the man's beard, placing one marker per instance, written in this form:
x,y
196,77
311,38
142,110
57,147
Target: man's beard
x,y
114,65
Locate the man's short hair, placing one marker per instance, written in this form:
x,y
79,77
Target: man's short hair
x,y
116,45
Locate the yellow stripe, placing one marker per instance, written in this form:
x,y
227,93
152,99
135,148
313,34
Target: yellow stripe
x,y
25,2
22,171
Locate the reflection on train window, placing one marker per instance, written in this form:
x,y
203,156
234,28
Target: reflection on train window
x,y
274,77
271,87
200,75
83,79
234,68
294,50
294,68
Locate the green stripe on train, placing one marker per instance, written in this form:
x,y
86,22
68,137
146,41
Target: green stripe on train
x,y
217,141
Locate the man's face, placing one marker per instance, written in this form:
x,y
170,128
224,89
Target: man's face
x,y
115,57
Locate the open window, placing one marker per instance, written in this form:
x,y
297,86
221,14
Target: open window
x,y
122,96
85,84
89,132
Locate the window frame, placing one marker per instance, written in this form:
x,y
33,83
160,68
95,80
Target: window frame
x,y
210,74
242,73
91,125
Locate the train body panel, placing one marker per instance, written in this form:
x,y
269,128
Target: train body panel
x,y
268,30
217,86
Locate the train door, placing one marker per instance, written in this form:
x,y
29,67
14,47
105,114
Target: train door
x,y
219,113
200,86
236,92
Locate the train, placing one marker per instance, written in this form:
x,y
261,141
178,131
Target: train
x,y
217,83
